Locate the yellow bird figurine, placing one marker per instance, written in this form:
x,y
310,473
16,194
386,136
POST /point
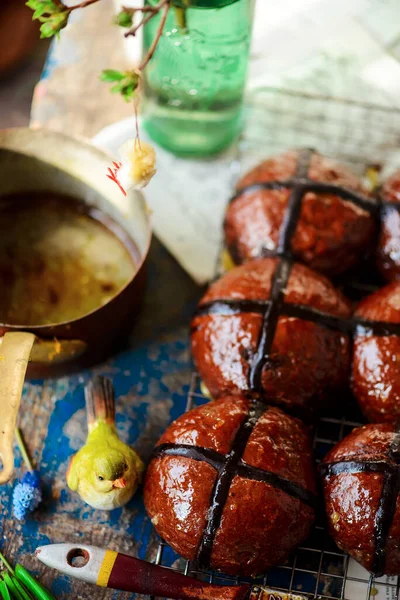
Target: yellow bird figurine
x,y
105,472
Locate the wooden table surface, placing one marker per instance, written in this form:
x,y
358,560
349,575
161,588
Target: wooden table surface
x,y
151,372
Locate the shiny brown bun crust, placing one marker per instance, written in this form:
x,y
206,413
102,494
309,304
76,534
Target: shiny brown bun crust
x,y
332,234
376,362
388,251
353,499
260,523
306,361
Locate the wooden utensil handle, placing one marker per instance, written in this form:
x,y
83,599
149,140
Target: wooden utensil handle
x,y
15,350
134,575
108,568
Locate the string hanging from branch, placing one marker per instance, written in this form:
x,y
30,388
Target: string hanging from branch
x,y
137,164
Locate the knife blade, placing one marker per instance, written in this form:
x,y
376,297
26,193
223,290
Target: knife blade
x,y
107,568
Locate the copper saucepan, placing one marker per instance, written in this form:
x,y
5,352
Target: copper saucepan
x,y
38,160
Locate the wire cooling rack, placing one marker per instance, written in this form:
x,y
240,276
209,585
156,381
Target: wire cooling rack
x,y
318,569
361,135
357,133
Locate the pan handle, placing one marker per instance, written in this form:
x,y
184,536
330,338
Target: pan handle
x,y
49,351
15,351
54,351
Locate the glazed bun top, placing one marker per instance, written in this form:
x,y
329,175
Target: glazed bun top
x,y
232,485
383,305
367,443
278,442
284,166
361,480
262,329
334,227
376,355
388,251
390,191
253,281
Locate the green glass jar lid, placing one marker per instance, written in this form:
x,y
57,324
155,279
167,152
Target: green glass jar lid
x,y
202,3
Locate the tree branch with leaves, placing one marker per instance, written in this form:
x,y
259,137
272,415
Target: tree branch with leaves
x,y
54,16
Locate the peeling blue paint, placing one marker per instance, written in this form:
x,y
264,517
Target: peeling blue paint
x,y
149,381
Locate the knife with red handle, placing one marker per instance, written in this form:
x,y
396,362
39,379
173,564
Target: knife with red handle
x,y
111,569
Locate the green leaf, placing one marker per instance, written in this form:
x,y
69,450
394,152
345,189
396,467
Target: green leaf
x,y
23,594
110,75
6,564
33,586
39,12
42,7
49,11
117,88
61,20
129,91
5,594
124,83
53,25
124,18
12,588
34,4
46,30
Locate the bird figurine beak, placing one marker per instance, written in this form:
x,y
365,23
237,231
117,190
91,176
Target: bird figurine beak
x,y
119,483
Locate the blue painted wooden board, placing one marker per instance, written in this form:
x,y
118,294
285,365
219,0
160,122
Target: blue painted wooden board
x,y
151,378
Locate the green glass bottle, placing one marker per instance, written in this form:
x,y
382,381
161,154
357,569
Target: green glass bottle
x,y
194,84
